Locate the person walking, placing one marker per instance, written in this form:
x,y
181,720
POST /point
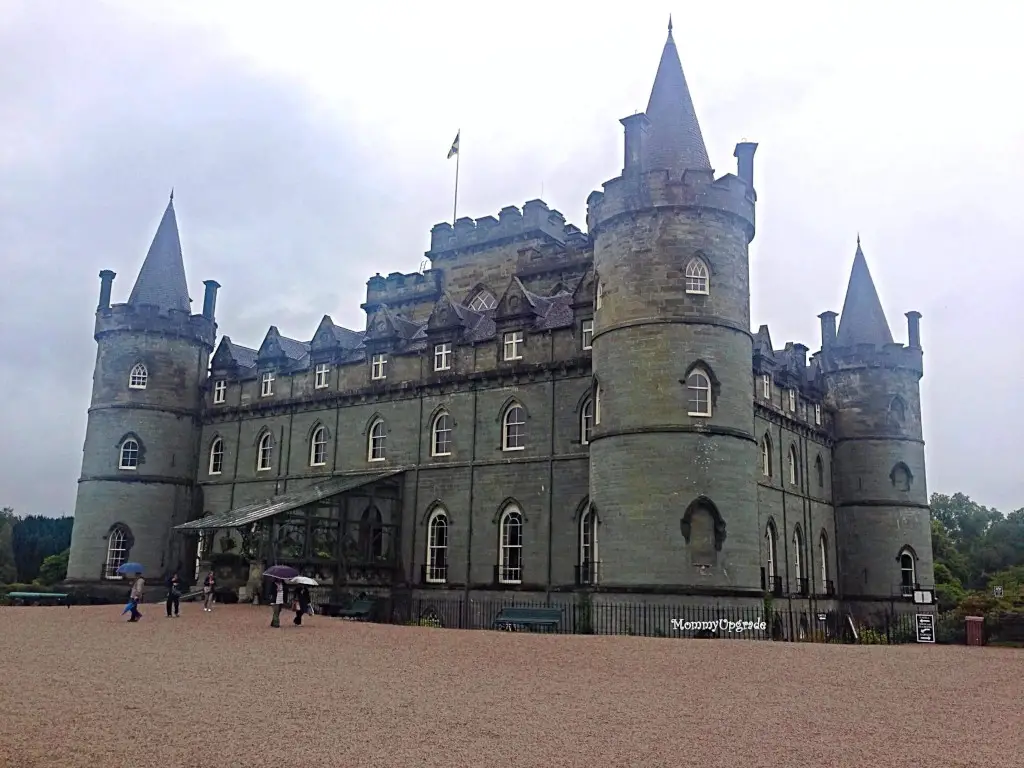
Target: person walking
x,y
279,597
173,595
208,584
301,605
138,586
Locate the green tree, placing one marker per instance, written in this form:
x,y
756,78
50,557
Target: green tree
x,y
54,568
8,569
34,539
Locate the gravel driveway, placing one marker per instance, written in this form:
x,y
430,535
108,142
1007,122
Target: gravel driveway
x,y
80,687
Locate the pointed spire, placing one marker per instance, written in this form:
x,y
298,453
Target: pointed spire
x,y
161,280
863,320
675,141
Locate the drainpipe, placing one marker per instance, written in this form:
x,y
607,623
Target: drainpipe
x,y
469,535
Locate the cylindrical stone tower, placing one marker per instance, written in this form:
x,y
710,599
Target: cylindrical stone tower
x,y
139,460
673,456
883,525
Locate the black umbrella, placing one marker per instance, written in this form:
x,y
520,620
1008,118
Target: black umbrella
x,y
281,572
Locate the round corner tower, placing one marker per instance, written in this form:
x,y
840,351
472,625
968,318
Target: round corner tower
x,y
883,524
139,460
673,455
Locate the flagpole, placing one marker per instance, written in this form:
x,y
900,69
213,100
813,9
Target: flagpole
x,y
455,205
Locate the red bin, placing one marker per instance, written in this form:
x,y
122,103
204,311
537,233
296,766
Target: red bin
x,y
975,630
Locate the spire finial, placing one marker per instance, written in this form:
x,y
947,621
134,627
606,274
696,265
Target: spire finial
x,y
172,194
670,23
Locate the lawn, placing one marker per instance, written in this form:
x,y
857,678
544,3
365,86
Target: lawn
x,y
81,687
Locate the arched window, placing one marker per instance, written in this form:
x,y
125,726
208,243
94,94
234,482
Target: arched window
x,y
510,546
766,456
770,550
793,476
482,301
897,409
441,435
900,477
798,554
698,386
264,452
375,447
128,457
217,456
139,377
696,276
598,397
819,471
371,535
586,421
437,547
588,547
513,428
908,573
117,552
318,447
823,555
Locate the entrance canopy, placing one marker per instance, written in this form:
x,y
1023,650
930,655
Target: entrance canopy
x,y
286,502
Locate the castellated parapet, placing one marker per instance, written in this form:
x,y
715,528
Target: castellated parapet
x,y
397,289
535,219
149,319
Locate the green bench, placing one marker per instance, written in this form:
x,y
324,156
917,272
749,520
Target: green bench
x,y
512,619
39,598
361,609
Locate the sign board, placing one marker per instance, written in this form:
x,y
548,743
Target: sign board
x,y
925,628
997,592
822,617
924,597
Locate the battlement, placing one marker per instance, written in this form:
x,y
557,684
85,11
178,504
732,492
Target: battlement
x,y
147,318
535,220
398,288
659,189
893,356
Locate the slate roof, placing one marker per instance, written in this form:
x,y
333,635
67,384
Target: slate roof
x,y
551,311
161,281
863,319
243,356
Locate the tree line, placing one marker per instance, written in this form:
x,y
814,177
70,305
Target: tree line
x,y
33,549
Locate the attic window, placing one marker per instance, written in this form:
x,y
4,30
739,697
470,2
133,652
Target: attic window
x,y
587,334
378,365
220,392
766,386
817,414
267,384
513,342
322,370
483,301
792,399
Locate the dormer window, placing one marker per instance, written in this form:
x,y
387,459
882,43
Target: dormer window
x,y
766,386
321,374
587,334
513,345
483,301
220,392
443,356
267,384
378,366
817,414
792,399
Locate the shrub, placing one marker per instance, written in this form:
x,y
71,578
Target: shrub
x,y
871,636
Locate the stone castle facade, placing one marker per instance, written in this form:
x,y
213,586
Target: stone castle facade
x,y
544,410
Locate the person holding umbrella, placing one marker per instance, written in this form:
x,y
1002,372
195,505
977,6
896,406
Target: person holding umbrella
x,y
302,596
138,586
279,573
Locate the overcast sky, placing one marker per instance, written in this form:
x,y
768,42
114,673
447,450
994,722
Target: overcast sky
x,y
307,151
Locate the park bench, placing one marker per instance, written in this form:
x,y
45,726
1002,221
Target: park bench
x,y
39,598
512,619
361,609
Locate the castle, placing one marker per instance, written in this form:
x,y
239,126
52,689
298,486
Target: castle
x,y
543,411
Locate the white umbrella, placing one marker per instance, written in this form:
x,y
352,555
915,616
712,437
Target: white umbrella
x,y
303,581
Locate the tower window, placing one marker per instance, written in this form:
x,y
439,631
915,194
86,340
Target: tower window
x,y
378,367
267,384
586,421
128,457
443,356
117,552
220,392
696,276
139,377
217,456
322,372
513,342
588,547
698,385
908,573
587,334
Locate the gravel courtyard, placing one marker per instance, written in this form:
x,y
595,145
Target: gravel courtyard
x,y
80,687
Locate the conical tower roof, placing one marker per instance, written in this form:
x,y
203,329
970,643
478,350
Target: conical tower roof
x,y
674,142
863,319
161,281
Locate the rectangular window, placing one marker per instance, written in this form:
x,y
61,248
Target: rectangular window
x,y
766,386
792,399
322,372
588,334
267,385
377,367
514,345
817,414
443,356
220,392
